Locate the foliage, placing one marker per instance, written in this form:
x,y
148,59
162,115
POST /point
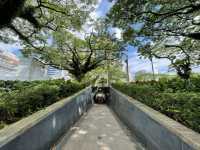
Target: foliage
x,y
137,91
173,84
142,75
23,99
161,29
156,18
100,73
183,54
169,97
77,56
30,20
45,30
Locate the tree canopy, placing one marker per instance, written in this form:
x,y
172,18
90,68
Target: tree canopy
x,y
77,56
30,20
183,54
156,18
45,29
151,24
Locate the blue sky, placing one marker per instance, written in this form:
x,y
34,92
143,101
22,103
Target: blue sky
x,y
135,63
103,7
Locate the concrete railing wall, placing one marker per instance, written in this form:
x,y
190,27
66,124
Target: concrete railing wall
x,y
40,130
156,131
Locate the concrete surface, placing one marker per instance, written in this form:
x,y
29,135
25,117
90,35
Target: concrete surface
x,y
40,130
99,129
155,130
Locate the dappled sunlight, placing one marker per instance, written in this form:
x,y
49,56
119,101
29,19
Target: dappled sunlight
x,y
100,130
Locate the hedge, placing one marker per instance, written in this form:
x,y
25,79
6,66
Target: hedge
x,y
174,84
20,99
181,105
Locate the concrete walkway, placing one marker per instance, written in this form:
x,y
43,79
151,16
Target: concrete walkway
x,y
99,129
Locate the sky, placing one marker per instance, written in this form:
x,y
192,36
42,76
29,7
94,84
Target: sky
x,y
135,63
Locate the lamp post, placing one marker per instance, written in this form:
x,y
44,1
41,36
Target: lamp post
x,y
152,67
126,61
107,58
127,66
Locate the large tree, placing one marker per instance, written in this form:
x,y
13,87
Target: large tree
x,y
182,53
153,19
25,18
77,56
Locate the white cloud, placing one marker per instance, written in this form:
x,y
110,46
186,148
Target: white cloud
x,y
100,10
95,14
117,32
160,65
88,26
196,69
137,64
9,47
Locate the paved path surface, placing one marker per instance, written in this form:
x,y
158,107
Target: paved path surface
x,y
99,129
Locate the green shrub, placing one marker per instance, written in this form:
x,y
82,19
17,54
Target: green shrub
x,y
35,98
195,86
24,98
7,111
140,92
2,125
67,89
182,106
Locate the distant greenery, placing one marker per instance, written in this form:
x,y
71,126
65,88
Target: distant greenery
x,y
146,76
169,97
21,98
116,74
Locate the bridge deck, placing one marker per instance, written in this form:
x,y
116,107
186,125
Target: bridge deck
x,y
99,129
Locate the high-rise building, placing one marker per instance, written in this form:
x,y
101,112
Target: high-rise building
x,y
17,67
